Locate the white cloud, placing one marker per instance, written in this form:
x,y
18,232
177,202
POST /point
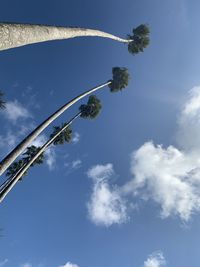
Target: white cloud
x,y
3,263
76,164
188,137
76,138
106,206
155,260
14,111
166,176
69,264
101,172
171,176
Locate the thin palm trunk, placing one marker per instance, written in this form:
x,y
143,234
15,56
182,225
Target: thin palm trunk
x,y
14,35
9,183
8,160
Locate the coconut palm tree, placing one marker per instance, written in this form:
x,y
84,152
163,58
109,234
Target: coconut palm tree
x,y
90,111
14,35
118,82
2,102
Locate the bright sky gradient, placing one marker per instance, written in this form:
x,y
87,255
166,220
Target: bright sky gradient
x,y
126,191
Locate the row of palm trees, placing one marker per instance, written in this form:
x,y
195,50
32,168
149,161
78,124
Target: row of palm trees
x,y
14,35
60,135
35,155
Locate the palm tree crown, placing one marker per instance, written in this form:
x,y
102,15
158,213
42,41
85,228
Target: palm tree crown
x,y
120,79
140,39
64,136
28,155
15,167
2,102
91,109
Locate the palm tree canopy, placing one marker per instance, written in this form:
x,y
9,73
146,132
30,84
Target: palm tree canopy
x,y
30,153
91,109
15,167
120,79
2,102
63,137
140,39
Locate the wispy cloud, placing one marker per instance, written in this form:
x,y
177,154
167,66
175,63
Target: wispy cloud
x,y
106,206
76,138
8,141
155,260
76,164
69,264
15,110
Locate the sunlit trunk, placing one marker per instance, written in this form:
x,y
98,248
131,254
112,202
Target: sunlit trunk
x,y
14,35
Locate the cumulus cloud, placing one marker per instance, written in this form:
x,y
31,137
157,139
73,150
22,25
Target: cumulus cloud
x,y
155,260
14,111
166,176
69,264
106,206
171,176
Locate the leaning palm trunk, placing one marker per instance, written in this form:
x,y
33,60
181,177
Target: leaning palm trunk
x,y
8,160
14,35
10,183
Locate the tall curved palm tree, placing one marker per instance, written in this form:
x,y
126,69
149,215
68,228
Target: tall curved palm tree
x,y
14,35
118,82
87,111
2,102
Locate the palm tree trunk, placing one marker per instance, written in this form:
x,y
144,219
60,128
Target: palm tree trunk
x,y
9,183
14,35
8,160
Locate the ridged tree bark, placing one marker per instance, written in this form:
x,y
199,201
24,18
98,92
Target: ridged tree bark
x,y
9,159
14,35
9,183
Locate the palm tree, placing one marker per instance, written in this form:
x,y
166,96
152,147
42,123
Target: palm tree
x,y
118,82
28,155
2,102
64,136
90,111
14,35
140,39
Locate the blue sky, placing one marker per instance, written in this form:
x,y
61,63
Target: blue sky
x,y
125,192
